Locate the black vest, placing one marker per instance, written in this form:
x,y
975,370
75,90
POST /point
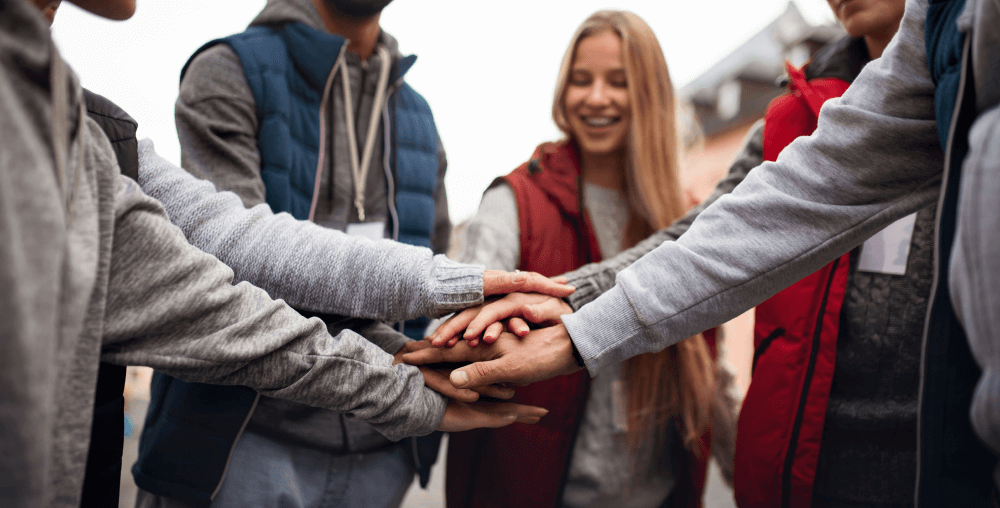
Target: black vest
x,y
102,477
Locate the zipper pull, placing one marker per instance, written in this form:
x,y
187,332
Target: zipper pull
x,y
360,205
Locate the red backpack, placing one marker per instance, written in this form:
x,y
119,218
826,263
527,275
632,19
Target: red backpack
x,y
795,340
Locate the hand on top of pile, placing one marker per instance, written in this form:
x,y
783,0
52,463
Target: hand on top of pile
x,y
486,320
496,282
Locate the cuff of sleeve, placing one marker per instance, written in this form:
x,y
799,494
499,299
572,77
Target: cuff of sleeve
x,y
607,331
586,290
454,286
435,412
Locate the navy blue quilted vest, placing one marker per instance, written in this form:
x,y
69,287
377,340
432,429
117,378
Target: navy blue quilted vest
x,y
955,467
191,427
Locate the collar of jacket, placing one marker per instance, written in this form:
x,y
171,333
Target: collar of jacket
x,y
315,52
842,59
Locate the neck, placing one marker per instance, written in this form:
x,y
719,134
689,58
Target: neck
x,y
604,170
362,33
878,40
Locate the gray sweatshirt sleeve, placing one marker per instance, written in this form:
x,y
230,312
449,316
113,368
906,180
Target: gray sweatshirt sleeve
x,y
174,308
310,267
492,237
874,158
216,121
594,279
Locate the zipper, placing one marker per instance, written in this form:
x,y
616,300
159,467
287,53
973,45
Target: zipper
x,y
931,303
786,473
778,332
232,448
323,106
386,167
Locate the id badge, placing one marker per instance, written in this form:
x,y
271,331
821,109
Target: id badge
x,y
369,230
888,250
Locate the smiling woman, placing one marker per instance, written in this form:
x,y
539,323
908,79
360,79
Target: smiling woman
x,y
631,436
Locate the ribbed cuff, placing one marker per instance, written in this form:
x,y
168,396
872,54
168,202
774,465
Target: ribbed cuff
x,y
586,291
455,286
607,331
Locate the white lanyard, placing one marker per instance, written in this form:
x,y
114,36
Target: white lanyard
x,y
360,168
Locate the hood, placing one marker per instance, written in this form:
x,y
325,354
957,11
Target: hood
x,y
555,169
279,12
842,59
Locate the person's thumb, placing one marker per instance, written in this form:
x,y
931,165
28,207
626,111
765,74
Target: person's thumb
x,y
482,373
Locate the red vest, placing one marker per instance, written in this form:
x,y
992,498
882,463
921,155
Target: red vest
x,y
524,466
795,340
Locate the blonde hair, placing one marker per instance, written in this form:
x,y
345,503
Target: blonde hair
x,y
678,382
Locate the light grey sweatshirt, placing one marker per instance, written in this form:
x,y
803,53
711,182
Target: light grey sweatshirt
x,y
92,269
310,267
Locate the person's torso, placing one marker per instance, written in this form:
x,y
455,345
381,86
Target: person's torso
x,y
603,470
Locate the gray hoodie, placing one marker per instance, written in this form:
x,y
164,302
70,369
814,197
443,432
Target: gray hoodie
x,y
217,125
92,270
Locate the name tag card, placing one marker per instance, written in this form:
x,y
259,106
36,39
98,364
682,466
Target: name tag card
x,y
369,230
887,251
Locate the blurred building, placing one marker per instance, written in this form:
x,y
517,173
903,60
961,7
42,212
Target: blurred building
x,y
734,93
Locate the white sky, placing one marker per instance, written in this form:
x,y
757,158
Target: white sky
x,y
487,68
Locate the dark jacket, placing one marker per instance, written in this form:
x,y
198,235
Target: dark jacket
x,y
102,478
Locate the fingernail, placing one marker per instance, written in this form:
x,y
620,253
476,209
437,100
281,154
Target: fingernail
x,y
571,287
510,417
459,378
520,276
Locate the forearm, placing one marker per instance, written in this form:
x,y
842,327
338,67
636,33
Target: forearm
x,y
594,279
310,267
873,159
387,338
173,308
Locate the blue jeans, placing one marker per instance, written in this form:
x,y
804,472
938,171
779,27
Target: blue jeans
x,y
271,474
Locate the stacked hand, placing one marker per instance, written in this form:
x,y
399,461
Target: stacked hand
x,y
463,411
485,320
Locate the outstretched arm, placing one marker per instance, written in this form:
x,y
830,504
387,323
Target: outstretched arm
x,y
590,280
594,279
319,269
172,307
875,157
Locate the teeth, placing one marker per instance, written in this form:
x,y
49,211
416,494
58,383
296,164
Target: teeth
x,y
599,121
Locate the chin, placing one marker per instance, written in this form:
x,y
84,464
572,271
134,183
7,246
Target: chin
x,y
118,10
